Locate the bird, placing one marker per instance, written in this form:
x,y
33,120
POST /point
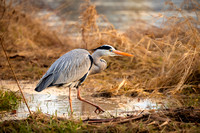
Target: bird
x,y
72,68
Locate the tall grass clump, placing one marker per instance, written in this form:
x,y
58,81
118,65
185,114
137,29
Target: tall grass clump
x,y
171,53
9,100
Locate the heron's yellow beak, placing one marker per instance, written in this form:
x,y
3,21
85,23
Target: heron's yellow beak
x,y
122,53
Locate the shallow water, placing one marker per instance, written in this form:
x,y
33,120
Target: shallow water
x,y
54,101
59,105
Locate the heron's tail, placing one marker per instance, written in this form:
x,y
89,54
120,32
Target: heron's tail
x,y
44,83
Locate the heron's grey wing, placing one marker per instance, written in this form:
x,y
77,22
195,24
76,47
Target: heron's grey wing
x,y
70,67
74,68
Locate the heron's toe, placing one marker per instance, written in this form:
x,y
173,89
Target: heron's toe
x,y
99,110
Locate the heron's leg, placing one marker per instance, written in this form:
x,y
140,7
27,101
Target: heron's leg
x,y
98,108
70,100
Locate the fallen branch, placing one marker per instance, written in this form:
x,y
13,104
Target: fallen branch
x,y
162,117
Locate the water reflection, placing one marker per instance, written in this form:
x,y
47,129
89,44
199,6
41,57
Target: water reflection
x,y
59,105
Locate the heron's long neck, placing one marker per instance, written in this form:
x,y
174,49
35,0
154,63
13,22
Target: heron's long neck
x,y
99,64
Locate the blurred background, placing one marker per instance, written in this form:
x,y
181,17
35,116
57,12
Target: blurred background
x,y
121,13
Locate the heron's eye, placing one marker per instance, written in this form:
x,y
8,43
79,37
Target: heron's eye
x,y
110,50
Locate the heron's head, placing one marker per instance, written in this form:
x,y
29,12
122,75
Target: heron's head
x,y
107,50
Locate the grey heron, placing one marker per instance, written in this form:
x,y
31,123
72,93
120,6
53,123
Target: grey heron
x,y
73,68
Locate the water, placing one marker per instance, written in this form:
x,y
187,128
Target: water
x,y
54,101
59,105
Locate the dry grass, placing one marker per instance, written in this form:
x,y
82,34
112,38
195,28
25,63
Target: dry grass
x,y
166,58
29,43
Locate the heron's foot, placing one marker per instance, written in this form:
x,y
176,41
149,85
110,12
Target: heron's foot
x,y
98,110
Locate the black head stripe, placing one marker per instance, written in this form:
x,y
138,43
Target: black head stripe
x,y
105,47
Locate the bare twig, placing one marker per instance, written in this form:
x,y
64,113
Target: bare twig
x,y
1,41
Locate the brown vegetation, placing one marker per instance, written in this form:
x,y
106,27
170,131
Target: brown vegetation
x,y
31,46
166,58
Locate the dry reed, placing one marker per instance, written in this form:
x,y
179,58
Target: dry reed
x,y
166,58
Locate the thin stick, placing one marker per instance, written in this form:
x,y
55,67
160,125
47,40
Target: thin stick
x,y
14,75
